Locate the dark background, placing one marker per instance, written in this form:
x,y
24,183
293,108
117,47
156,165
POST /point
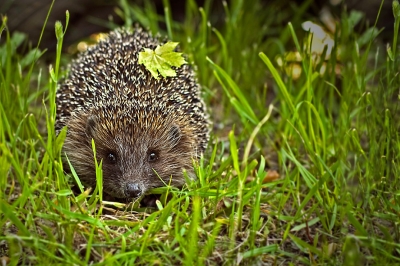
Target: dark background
x,y
91,16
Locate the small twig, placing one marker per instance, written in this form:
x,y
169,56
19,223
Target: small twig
x,y
310,238
254,133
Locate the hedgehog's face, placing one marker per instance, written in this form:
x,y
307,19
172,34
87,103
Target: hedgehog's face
x,y
135,159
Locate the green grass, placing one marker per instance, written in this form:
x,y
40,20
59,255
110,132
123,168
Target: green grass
x,y
332,137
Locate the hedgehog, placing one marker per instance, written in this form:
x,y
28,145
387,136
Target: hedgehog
x,y
146,131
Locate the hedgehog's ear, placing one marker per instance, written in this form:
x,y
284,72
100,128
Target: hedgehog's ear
x,y
91,126
174,134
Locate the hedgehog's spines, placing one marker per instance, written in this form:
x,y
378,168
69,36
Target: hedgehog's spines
x,y
132,111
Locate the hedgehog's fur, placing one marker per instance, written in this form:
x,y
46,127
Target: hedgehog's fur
x,y
146,130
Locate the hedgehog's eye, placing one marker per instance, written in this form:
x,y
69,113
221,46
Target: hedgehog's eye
x,y
152,157
112,158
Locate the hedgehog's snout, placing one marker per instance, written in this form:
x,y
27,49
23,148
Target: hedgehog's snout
x,y
132,190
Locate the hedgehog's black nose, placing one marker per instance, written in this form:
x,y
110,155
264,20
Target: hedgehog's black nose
x,y
132,190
